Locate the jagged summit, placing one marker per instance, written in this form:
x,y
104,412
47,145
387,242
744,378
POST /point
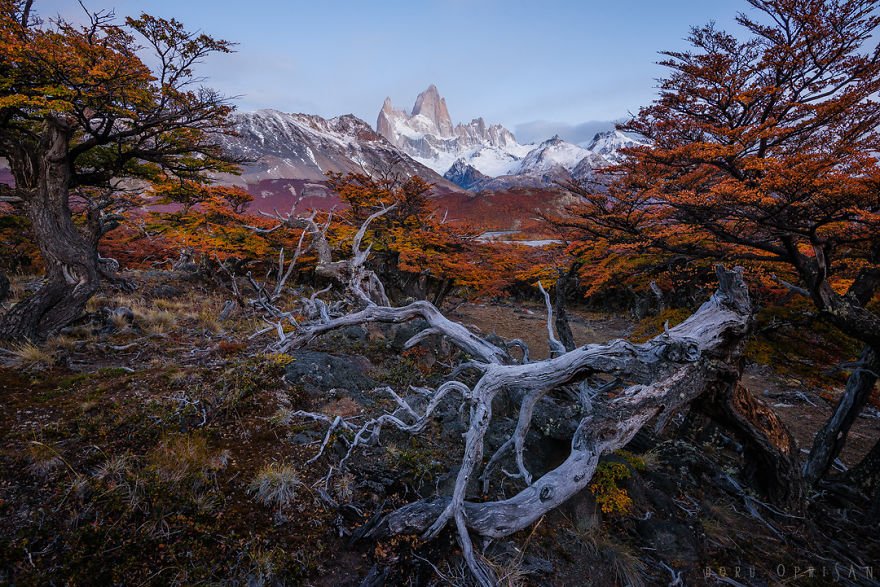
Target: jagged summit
x,y
427,134
433,107
477,155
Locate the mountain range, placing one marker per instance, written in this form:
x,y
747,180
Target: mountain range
x,y
288,155
478,156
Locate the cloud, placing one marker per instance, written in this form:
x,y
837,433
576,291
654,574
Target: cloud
x,y
540,130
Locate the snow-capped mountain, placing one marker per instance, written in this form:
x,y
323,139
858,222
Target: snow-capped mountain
x,y
288,155
477,156
307,146
608,145
427,134
552,154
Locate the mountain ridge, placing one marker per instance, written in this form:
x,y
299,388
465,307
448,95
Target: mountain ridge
x,y
477,156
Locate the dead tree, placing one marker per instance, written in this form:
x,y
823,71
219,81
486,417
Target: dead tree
x,y
622,388
652,381
353,273
830,439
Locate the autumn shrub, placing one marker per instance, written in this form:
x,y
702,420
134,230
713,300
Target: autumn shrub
x,y
610,497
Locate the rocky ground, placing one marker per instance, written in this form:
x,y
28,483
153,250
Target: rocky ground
x,y
153,444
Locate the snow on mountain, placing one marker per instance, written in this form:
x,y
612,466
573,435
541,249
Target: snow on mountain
x,y
551,154
288,155
589,169
278,145
464,151
609,143
426,134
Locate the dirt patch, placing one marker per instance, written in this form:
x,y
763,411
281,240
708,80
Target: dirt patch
x,y
804,411
528,322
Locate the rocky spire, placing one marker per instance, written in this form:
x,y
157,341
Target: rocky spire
x,y
384,125
432,106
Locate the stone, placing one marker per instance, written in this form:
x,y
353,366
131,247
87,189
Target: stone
x,y
320,372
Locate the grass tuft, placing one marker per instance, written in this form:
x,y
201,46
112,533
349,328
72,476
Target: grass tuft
x,y
30,357
276,485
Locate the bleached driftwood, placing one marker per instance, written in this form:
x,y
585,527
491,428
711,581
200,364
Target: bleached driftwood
x,y
466,340
659,377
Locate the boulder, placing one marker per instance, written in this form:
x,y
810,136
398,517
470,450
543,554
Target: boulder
x,y
320,372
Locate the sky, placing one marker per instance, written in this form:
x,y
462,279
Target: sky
x,y
539,67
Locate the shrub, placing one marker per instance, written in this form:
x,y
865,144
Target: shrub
x,y
609,496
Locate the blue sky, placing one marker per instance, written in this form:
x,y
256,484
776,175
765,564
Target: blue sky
x,y
538,67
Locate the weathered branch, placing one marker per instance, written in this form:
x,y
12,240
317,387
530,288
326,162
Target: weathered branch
x,y
662,376
458,334
556,347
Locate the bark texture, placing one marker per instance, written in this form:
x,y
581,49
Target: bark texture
x,y
69,254
770,450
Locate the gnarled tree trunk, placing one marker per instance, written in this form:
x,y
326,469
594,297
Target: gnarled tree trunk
x,y
866,477
70,257
770,450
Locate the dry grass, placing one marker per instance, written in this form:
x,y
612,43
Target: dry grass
x,y
115,469
627,568
45,459
62,342
155,321
282,417
176,305
207,319
178,377
344,486
509,573
181,458
120,321
30,357
276,484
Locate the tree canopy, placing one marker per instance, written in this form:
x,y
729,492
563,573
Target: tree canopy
x,y
90,116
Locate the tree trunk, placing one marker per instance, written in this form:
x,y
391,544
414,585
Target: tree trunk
x,y
866,477
771,453
70,258
443,289
867,473
563,328
831,438
4,288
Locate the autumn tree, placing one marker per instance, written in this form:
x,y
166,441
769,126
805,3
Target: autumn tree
x,y
764,151
86,124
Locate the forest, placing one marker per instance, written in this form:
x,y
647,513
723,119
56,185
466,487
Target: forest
x,y
677,385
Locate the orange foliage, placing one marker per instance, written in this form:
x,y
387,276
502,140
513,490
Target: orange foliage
x,y
763,152
417,252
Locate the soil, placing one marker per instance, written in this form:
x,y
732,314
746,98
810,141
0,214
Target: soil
x,y
528,322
